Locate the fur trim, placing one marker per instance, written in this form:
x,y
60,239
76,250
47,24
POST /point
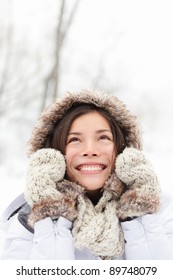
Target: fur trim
x,y
114,186
64,207
135,203
57,110
70,189
62,204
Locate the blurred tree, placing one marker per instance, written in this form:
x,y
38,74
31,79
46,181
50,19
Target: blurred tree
x,y
29,74
64,21
31,43
15,72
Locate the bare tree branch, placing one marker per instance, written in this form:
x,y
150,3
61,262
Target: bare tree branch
x,y
62,30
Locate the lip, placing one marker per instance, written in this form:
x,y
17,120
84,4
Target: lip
x,y
91,167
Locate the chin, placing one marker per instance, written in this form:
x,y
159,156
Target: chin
x,y
92,190
91,187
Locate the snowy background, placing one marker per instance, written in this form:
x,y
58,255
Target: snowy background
x,y
123,47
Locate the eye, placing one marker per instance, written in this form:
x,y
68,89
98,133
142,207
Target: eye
x,y
73,140
105,138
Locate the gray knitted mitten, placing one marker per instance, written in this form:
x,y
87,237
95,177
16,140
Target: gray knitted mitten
x,y
142,193
45,192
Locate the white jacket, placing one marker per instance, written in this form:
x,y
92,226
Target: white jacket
x,y
149,237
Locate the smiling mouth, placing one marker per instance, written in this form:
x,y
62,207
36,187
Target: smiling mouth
x,y
91,168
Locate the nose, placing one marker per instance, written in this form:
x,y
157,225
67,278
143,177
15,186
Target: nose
x,y
90,150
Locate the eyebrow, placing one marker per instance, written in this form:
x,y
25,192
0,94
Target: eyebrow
x,y
97,131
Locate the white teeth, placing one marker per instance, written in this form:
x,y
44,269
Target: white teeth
x,y
91,168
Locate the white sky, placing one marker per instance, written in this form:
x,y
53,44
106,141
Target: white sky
x,y
146,44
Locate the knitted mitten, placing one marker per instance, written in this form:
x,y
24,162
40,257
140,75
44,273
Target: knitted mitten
x,y
142,194
44,193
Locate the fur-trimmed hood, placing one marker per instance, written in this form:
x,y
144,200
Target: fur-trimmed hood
x,y
58,109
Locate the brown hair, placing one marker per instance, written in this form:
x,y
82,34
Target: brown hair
x,y
58,135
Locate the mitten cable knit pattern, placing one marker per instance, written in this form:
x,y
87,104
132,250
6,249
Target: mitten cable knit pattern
x,y
142,194
46,167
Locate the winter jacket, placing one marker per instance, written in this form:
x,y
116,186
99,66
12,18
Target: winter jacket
x,y
149,237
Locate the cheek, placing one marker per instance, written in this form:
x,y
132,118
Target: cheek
x,y
111,152
70,155
69,161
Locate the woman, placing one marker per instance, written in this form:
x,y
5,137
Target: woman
x,y
90,192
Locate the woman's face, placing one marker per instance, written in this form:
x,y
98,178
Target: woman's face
x,y
90,151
